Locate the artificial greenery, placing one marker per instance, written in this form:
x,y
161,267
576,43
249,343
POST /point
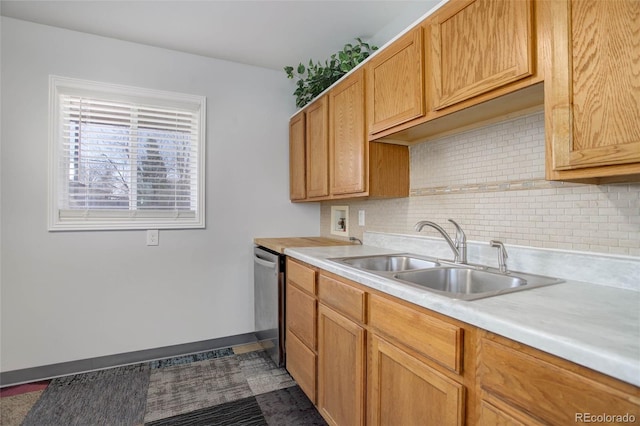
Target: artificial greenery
x,y
315,78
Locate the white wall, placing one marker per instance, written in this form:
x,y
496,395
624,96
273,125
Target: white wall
x,y
73,295
407,17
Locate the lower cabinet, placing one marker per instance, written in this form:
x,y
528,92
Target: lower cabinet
x,y
528,386
497,413
301,364
341,368
403,390
301,326
364,357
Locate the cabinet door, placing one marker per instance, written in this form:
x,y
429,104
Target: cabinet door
x,y
595,84
348,143
341,369
317,149
395,83
405,391
297,158
301,364
478,46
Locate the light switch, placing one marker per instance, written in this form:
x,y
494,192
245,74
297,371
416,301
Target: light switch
x,y
152,237
360,217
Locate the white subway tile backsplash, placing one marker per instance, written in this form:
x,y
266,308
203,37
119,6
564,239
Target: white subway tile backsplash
x,y
491,181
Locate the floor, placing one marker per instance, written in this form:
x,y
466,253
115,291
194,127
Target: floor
x,y
232,386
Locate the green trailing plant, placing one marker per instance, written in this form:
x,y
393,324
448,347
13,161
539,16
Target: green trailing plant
x,y
314,78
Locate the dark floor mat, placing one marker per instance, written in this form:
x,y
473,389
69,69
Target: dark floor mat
x,y
243,412
111,399
289,407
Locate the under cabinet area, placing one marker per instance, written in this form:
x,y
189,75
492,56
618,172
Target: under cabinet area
x,y
375,359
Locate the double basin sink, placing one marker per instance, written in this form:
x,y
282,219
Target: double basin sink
x,y
458,281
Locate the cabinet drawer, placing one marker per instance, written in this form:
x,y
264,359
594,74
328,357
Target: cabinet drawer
x,y
301,315
431,337
503,415
346,299
301,364
300,275
555,394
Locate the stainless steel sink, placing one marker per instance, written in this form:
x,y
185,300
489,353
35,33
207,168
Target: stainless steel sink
x,y
458,281
470,284
388,263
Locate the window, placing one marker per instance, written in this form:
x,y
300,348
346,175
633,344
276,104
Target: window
x,y
124,157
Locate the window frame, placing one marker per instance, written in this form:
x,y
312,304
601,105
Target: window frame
x,y
60,219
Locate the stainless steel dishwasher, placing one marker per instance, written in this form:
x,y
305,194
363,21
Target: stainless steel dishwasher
x,y
269,279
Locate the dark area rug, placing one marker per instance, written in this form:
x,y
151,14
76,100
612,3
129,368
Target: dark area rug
x,y
243,412
210,388
108,398
289,406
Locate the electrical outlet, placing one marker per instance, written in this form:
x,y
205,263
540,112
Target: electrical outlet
x,y
360,217
153,237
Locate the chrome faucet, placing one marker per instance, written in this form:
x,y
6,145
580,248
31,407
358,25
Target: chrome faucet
x,y
459,246
502,255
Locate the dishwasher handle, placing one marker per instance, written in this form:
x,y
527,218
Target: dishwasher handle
x,y
265,263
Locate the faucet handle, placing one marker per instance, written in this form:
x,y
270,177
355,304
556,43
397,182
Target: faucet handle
x,y
460,242
460,235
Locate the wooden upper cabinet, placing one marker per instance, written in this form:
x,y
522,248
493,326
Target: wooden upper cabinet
x,y
478,46
317,136
330,156
347,136
594,90
395,83
297,158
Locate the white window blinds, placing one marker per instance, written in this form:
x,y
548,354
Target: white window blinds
x,y
126,157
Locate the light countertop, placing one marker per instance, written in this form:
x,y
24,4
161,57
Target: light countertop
x,y
590,324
